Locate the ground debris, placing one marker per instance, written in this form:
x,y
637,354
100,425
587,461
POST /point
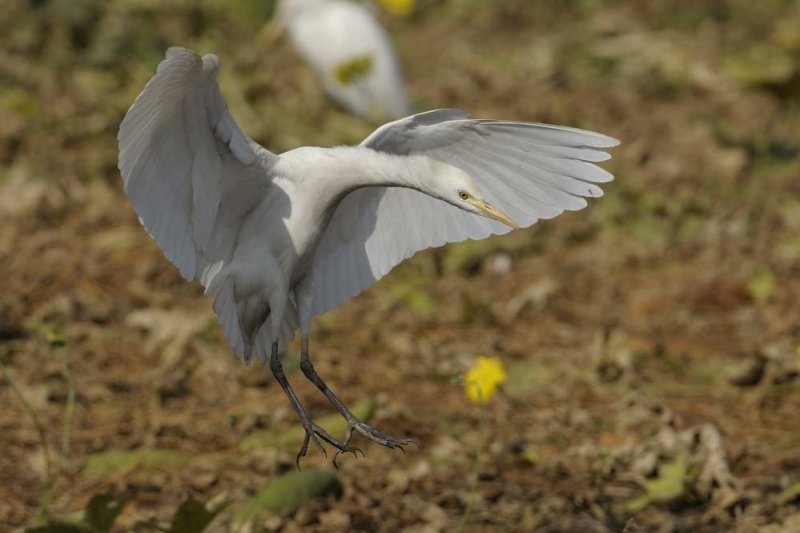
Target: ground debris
x,y
622,327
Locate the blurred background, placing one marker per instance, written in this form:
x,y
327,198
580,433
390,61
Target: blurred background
x,y
650,343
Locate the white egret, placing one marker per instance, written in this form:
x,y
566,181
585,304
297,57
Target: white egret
x,y
350,52
281,238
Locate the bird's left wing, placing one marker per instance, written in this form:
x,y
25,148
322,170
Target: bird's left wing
x,y
190,172
529,171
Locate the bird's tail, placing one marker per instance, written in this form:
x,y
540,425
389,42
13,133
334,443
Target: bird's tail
x,y
245,316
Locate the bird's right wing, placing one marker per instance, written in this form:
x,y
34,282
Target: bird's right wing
x,y
189,170
192,175
529,171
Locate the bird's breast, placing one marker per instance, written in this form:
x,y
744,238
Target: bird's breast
x,y
306,227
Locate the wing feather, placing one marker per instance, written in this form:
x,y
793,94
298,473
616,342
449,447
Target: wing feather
x,y
530,171
187,167
192,175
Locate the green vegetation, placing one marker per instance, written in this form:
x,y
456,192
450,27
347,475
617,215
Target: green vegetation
x,y
287,493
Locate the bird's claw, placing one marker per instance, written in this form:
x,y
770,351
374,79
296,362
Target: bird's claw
x,y
310,436
349,449
313,434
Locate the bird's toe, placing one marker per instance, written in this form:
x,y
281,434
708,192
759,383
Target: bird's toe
x,y
383,439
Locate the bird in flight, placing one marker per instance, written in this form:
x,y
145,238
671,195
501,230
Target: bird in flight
x,y
349,51
280,238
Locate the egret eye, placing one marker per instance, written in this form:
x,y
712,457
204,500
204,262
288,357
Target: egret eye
x,y
463,195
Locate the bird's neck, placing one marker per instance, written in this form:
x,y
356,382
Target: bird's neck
x,y
379,169
341,170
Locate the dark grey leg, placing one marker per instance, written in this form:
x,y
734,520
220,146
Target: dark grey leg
x,y
353,423
312,430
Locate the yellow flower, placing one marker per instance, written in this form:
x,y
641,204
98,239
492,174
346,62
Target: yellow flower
x,y
403,8
482,380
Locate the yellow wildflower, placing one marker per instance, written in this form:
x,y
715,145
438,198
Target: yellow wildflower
x,y
482,380
403,8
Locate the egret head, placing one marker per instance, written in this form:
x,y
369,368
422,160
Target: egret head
x,y
456,187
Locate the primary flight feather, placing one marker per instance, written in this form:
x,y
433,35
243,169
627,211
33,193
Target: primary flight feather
x,y
279,239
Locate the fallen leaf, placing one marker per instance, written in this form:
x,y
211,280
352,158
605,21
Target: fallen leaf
x,y
668,486
110,462
285,494
169,330
193,517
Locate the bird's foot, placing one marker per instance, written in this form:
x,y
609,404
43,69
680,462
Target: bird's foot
x,y
313,434
374,435
371,433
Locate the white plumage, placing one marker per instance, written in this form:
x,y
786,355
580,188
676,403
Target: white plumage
x,y
351,54
281,238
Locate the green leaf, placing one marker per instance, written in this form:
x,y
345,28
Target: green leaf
x,y
193,517
760,65
790,493
466,256
527,377
98,517
670,485
20,102
102,512
103,464
292,438
284,495
414,297
531,455
52,336
420,303
761,286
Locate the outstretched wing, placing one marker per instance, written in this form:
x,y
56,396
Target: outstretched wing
x,y
188,169
192,175
529,171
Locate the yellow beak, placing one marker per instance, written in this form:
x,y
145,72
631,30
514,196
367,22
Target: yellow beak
x,y
492,212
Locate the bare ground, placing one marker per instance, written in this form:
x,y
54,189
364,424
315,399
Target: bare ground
x,y
651,340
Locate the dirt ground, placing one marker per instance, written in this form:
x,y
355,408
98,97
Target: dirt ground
x,y
651,341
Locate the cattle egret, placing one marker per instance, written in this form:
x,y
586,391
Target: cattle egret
x,y
350,52
279,239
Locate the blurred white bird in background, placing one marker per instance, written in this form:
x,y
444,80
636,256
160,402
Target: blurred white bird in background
x,y
281,238
350,52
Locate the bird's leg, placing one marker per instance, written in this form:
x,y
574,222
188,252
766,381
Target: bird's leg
x,y
353,423
312,430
